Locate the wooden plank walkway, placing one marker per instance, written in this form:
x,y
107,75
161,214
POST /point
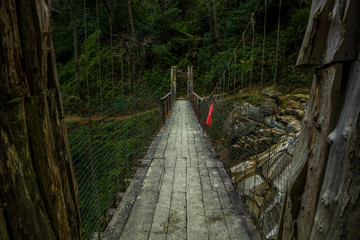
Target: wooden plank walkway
x,y
181,191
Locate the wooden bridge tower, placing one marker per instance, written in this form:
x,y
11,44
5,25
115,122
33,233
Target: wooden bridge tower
x,y
175,72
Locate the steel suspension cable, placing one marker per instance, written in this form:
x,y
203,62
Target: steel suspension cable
x,y
277,45
264,42
238,46
117,28
91,158
99,54
252,50
112,60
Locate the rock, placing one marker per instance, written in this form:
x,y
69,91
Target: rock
x,y
248,185
110,213
295,112
301,97
271,121
293,104
271,92
286,119
270,106
294,126
243,170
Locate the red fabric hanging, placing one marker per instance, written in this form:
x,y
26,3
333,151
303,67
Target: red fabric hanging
x,y
192,96
209,118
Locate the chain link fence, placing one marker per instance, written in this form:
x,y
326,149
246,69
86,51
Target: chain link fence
x,y
107,144
255,151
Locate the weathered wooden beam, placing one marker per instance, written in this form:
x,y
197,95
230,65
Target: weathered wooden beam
x,y
310,156
343,35
335,216
313,44
332,33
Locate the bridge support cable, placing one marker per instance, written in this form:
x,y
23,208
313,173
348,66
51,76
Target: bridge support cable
x,y
122,40
111,132
237,48
254,149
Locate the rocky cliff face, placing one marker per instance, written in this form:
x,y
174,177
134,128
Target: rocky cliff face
x,y
261,142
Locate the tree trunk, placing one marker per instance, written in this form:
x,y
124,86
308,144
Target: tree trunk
x,y
216,25
163,11
211,18
39,198
76,51
322,201
133,33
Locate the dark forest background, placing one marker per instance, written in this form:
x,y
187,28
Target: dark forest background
x,y
163,33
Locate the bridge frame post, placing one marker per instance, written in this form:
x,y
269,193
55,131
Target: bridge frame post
x,y
173,82
190,80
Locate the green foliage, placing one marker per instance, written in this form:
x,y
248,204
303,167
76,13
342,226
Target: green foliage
x,y
104,153
255,100
176,34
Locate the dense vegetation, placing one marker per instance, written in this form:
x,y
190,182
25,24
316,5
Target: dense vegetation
x,y
159,34
166,32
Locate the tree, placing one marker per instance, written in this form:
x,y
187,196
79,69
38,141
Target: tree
x,y
210,12
163,10
133,33
322,201
38,193
72,4
216,25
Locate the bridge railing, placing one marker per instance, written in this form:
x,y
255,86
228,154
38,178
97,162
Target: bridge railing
x,y
107,144
255,152
165,106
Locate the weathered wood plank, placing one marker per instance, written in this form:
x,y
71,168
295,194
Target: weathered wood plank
x,y
196,221
214,215
138,226
177,227
159,226
235,224
177,217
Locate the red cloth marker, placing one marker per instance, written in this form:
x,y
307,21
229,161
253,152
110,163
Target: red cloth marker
x,y
209,118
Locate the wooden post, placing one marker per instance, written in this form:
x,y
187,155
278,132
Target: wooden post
x,y
173,82
199,109
163,112
320,199
39,194
189,80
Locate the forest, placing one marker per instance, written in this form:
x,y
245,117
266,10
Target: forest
x,y
96,70
164,33
89,144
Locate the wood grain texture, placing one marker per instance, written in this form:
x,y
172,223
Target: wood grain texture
x,y
339,197
39,198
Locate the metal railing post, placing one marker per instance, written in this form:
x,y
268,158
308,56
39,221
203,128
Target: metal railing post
x,y
163,113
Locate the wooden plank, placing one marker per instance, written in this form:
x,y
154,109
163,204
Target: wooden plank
x,y
177,217
214,215
159,226
196,221
141,217
234,222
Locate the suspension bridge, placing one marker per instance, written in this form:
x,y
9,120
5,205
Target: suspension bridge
x,y
150,168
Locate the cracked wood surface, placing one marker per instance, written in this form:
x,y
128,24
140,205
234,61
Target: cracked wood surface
x,y
183,194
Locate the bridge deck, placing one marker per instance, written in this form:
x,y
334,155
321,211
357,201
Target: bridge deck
x,y
181,191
